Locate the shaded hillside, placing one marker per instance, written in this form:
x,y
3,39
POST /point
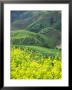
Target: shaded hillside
x,y
35,20
21,19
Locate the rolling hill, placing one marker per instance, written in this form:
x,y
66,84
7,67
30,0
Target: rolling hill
x,y
38,28
23,37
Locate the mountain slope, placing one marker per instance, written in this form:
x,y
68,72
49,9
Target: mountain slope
x,y
23,37
39,28
35,20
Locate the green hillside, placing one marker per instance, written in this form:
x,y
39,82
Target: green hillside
x,y
39,28
45,38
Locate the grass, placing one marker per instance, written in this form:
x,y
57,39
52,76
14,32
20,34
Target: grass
x,y
46,38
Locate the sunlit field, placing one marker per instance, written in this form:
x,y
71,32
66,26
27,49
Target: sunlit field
x,y
27,64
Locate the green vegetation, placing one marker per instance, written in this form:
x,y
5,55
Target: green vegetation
x,y
35,20
45,38
45,52
34,37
